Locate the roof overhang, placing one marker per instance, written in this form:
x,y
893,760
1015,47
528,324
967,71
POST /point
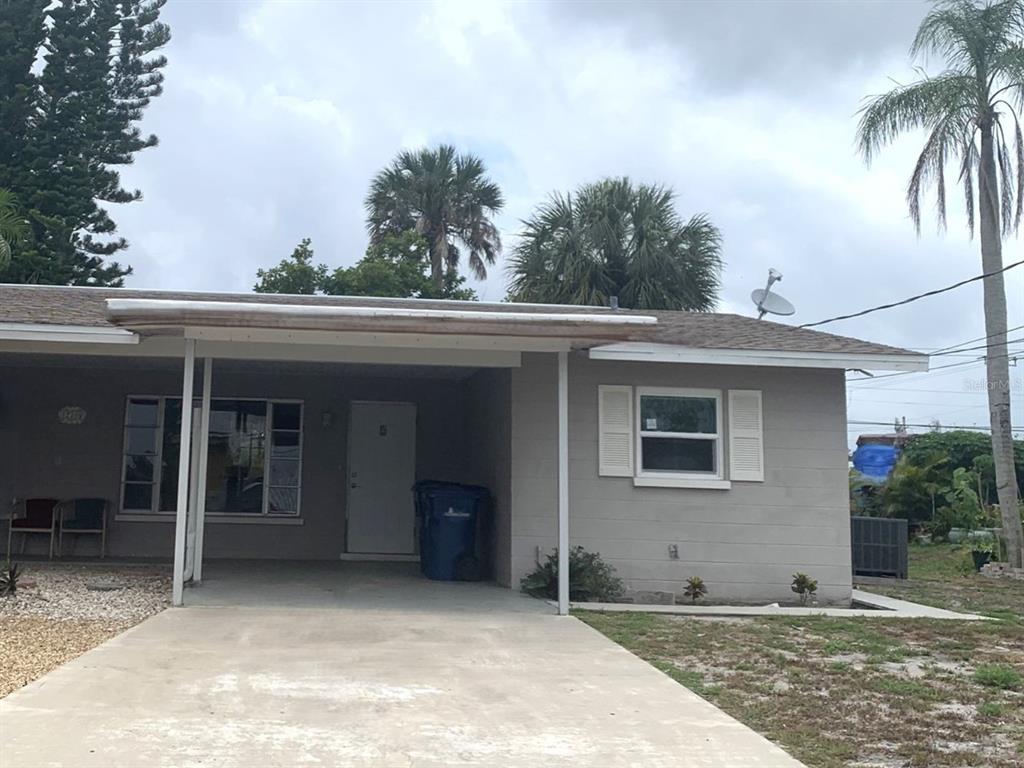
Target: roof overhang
x,y
154,315
66,334
670,353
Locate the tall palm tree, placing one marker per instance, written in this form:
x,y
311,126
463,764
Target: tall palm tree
x,y
12,226
614,239
444,196
971,114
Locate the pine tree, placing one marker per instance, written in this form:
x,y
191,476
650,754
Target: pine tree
x,y
99,74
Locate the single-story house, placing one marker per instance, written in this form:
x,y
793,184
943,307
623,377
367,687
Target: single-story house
x,y
675,444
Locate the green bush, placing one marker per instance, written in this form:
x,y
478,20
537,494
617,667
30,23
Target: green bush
x,y
591,579
804,586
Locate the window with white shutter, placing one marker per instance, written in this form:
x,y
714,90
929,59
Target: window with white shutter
x,y
746,435
615,430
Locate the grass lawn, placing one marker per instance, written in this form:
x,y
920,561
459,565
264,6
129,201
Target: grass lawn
x,y
861,692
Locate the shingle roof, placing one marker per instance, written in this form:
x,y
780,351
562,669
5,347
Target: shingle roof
x,y
86,307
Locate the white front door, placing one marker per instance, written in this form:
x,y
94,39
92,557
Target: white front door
x,y
381,472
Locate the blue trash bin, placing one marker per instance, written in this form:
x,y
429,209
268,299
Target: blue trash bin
x,y
448,515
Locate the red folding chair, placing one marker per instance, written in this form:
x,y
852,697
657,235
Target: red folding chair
x,y
32,516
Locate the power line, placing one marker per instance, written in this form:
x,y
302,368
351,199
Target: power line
x,y
968,349
971,341
980,360
913,298
924,426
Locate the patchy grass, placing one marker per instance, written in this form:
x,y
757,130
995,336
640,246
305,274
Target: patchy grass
x,y
942,575
840,693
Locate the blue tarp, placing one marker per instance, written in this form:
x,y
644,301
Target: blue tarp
x,y
875,461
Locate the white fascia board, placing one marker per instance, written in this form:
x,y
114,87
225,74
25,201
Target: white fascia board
x,y
377,340
669,353
161,307
75,334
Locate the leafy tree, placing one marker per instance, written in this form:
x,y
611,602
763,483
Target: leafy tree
x,y
444,196
297,274
970,113
65,129
12,226
962,449
912,489
394,267
613,238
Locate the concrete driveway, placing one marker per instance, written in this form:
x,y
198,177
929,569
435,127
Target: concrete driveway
x,y
473,676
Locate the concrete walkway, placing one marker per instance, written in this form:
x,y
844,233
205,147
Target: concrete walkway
x,y
875,607
484,678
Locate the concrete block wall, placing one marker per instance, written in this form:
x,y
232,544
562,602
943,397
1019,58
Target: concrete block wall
x,y
745,542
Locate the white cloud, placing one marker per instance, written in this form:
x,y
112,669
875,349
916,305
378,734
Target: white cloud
x,y
276,115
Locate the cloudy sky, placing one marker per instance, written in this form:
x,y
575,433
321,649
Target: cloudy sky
x,y
276,115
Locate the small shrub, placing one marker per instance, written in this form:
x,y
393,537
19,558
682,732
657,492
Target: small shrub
x,y
9,579
591,579
999,676
695,589
804,586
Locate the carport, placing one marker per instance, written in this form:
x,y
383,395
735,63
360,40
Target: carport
x,y
310,420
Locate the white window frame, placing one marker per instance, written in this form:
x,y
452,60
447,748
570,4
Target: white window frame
x,y
714,479
154,512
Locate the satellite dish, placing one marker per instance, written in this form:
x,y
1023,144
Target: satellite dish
x,y
768,302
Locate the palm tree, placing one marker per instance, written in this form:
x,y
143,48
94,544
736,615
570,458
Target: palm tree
x,y
614,239
444,196
12,226
971,114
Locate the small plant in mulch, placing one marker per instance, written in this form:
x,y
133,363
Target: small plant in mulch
x,y
591,579
695,589
9,576
804,586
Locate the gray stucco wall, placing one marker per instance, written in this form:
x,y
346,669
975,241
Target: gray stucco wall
x,y
745,542
488,459
41,457
496,428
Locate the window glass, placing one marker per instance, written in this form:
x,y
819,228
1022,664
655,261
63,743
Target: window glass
x,y
678,454
234,474
237,455
142,413
138,469
660,413
138,496
285,445
287,416
283,500
284,472
140,440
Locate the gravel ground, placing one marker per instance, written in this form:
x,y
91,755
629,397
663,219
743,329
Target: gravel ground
x,y
62,611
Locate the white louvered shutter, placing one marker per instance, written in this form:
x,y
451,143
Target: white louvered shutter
x,y
615,430
746,435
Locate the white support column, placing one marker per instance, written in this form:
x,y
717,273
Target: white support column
x,y
184,464
563,483
204,452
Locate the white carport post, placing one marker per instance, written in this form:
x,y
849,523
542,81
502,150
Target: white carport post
x,y
184,464
563,483
204,454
